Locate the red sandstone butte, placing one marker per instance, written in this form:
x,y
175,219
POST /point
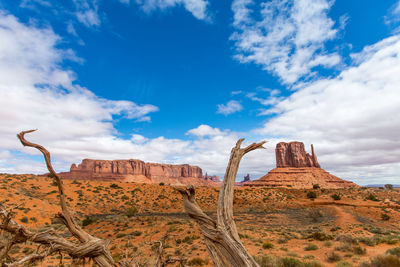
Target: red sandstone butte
x,y
134,170
295,168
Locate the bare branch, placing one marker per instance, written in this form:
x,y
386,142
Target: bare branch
x,y
221,237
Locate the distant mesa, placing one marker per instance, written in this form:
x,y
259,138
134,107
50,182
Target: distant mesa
x,y
133,170
295,168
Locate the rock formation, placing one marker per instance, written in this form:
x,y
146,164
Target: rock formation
x,y
134,170
297,169
293,154
246,178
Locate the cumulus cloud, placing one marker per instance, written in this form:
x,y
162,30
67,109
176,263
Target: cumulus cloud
x,y
205,130
285,37
198,8
352,119
229,108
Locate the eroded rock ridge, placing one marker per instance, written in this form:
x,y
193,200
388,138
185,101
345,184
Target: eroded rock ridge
x,y
134,170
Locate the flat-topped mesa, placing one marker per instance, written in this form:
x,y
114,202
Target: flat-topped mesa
x,y
294,155
134,170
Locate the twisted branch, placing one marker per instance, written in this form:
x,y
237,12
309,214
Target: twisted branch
x,y
221,236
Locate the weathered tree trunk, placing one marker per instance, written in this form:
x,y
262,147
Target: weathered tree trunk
x,y
221,236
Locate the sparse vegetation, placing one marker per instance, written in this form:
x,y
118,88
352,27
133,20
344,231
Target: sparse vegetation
x,y
312,195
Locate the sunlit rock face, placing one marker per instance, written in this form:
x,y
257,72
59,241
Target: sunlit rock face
x,y
134,170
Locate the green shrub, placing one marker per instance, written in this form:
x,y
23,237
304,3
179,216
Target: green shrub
x,y
291,262
385,217
24,219
394,251
196,262
316,186
312,195
320,236
136,233
162,183
372,197
88,220
385,261
267,245
311,247
333,257
344,264
131,211
115,186
336,197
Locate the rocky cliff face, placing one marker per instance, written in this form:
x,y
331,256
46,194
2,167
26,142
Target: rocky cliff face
x,y
297,169
134,170
293,154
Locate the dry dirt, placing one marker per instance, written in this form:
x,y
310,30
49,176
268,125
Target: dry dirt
x,y
272,222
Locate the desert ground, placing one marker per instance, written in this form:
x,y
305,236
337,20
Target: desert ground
x,y
278,226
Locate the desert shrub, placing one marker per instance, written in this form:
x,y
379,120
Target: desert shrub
x,y
359,250
316,186
267,245
394,251
136,233
320,236
291,262
347,239
385,217
385,261
344,264
312,264
336,197
88,220
312,195
311,247
131,211
162,183
120,235
196,262
115,186
333,257
24,219
372,197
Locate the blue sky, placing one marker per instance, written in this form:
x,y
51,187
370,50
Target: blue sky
x,y
179,81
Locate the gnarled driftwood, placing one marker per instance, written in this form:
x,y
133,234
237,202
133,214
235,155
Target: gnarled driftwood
x,y
221,236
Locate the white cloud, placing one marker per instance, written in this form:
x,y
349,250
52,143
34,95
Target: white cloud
x,y
272,98
205,130
87,12
352,119
288,39
198,8
229,108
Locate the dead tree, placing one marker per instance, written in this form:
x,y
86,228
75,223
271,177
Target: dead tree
x,y
88,247
221,236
